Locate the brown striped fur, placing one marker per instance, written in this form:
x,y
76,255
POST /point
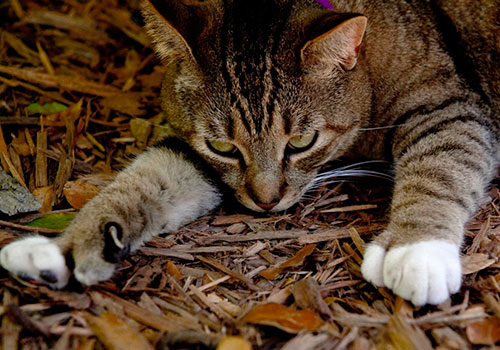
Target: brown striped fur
x,y
240,77
416,82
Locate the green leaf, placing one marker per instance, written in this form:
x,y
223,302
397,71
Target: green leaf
x,y
56,221
47,108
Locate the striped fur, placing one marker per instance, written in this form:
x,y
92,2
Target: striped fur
x,y
421,89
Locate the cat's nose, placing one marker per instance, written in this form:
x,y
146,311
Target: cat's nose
x,y
266,206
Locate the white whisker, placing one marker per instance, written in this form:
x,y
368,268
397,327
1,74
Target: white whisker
x,y
381,127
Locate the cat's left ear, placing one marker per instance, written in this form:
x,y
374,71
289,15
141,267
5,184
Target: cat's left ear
x,y
337,46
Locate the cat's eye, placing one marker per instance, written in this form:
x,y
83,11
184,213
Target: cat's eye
x,y
301,143
222,147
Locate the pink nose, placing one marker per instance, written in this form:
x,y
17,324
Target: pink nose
x,y
267,206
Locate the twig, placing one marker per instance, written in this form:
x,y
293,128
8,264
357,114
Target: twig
x,y
30,228
349,208
229,272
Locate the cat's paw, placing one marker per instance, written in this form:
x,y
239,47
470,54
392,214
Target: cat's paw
x,y
36,258
424,273
373,265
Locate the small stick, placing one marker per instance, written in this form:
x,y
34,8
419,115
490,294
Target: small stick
x,y
214,283
349,208
29,228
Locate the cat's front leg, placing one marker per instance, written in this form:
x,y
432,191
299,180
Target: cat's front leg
x,y
163,189
442,171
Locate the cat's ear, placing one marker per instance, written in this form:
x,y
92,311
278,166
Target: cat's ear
x,y
168,24
337,46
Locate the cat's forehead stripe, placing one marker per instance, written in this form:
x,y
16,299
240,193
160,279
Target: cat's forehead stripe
x,y
248,52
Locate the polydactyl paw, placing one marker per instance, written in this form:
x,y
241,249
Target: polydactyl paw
x,y
41,259
36,258
424,273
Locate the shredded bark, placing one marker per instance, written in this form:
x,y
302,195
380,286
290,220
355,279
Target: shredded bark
x,y
79,98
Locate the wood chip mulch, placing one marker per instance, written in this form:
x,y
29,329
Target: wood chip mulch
x,y
79,87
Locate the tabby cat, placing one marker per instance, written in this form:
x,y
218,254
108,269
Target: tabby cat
x,y
263,93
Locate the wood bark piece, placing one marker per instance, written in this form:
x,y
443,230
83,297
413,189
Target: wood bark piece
x,y
41,160
14,198
60,82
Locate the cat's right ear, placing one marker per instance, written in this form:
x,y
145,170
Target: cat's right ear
x,y
166,22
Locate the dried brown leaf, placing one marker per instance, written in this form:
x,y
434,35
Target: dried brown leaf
x,y
476,262
284,318
125,102
308,296
115,333
297,260
79,192
484,332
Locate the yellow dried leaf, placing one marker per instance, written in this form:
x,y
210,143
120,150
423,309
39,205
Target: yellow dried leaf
x,y
284,318
297,260
234,343
484,332
174,271
79,192
116,334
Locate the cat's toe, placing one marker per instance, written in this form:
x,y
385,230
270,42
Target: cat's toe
x,y
373,264
425,273
93,270
36,258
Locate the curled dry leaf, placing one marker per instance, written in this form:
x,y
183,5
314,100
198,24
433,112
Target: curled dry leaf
x,y
475,262
284,318
234,343
79,192
114,333
297,260
485,332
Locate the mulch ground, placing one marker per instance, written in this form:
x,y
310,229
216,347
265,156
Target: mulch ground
x,y
79,87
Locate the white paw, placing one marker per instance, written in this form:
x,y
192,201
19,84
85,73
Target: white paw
x,y
425,273
36,258
373,265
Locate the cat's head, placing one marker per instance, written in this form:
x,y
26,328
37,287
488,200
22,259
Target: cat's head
x,y
265,90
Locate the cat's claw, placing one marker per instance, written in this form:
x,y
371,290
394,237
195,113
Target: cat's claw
x,y
36,258
425,272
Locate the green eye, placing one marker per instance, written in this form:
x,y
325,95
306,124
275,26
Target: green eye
x,y
301,143
222,147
